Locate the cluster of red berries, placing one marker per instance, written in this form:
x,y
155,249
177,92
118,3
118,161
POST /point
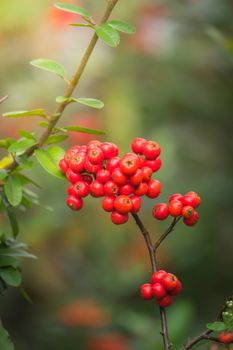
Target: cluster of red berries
x,y
162,287
96,169
179,205
225,337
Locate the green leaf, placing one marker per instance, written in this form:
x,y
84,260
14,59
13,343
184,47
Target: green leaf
x,y
18,114
6,142
61,99
72,8
122,27
26,180
25,295
50,65
216,326
3,174
84,130
25,162
17,253
27,135
49,164
8,261
108,34
10,214
90,102
13,190
5,341
21,145
56,153
11,276
55,139
82,25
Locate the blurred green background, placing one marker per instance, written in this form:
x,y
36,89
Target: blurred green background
x,y
171,82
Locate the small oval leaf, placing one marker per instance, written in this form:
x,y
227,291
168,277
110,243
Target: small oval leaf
x,y
13,190
72,8
48,161
50,65
84,130
11,276
21,145
55,139
90,102
18,114
108,34
122,26
216,326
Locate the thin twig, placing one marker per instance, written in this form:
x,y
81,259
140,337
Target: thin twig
x,y
166,233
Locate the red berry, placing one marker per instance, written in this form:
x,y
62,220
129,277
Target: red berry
x,y
177,289
187,211
123,204
81,189
108,203
136,204
158,290
158,276
77,162
103,175
166,301
146,291
69,154
137,177
118,218
129,164
87,178
141,160
170,281
63,166
147,173
71,191
72,176
110,150
112,163
197,198
175,208
176,196
193,220
155,165
97,189
154,188
92,168
160,211
74,203
225,337
111,189
126,189
141,189
137,144
188,200
95,155
118,177
93,144
151,150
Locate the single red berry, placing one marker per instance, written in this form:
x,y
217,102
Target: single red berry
x,y
95,155
108,203
123,204
146,291
177,289
129,164
111,189
136,204
160,211
112,163
71,191
158,290
170,281
110,150
77,162
188,200
193,220
81,189
97,189
137,177
119,219
68,155
93,144
74,203
103,175
158,276
151,150
83,149
92,168
63,166
176,196
187,211
72,176
154,188
87,178
175,208
141,161
196,198
126,189
147,173
155,165
137,144
141,189
119,177
165,302
225,337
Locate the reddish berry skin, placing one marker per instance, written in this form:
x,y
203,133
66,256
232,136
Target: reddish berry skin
x,y
92,168
225,337
136,204
137,144
111,189
155,165
176,196
147,173
118,177
77,162
97,189
137,177
103,175
81,189
158,276
188,200
187,211
108,203
63,166
193,220
141,160
112,163
154,188
110,150
123,204
69,154
177,289
87,178
95,155
158,290
160,211
141,189
74,203
129,164
151,150
165,302
72,176
71,191
175,208
119,219
93,144
126,189
146,291
197,198
170,281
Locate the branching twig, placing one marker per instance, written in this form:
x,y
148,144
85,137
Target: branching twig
x,y
166,233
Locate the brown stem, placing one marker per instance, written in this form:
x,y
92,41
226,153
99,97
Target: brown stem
x,y
166,233
190,343
69,91
154,265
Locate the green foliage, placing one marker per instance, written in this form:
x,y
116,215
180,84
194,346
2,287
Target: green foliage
x,y
73,9
216,326
27,135
3,174
11,276
108,34
84,130
18,114
51,66
90,102
49,159
24,161
13,190
55,139
21,145
5,341
122,26
9,247
10,214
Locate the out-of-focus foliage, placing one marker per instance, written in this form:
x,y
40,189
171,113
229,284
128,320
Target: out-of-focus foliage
x,y
172,81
